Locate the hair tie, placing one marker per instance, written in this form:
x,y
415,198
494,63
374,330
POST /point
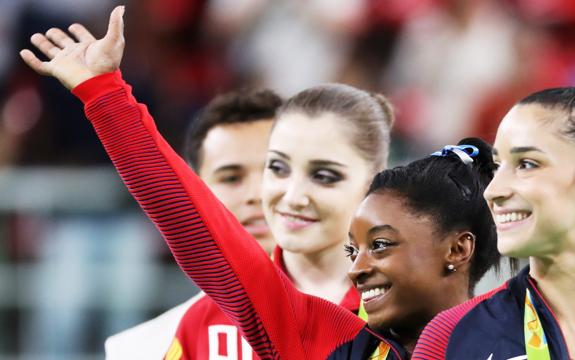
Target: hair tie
x,y
463,152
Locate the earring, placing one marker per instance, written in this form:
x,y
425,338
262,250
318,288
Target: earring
x,y
451,268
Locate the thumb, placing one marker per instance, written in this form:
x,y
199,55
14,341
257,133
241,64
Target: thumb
x,y
115,33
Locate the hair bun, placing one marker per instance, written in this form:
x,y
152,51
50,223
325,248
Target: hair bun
x,y
386,107
482,162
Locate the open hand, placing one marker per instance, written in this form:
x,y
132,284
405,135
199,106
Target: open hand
x,y
73,61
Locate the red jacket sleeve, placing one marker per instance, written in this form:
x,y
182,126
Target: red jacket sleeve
x,y
208,243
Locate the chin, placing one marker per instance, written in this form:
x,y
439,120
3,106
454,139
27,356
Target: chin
x,y
297,248
268,244
380,322
512,248
287,243
298,243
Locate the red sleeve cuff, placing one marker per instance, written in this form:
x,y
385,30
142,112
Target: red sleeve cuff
x,y
97,86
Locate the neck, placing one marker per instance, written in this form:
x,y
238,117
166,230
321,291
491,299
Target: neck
x,y
556,281
407,339
323,273
452,291
455,292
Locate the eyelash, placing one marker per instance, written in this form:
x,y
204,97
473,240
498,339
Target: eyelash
x,y
383,243
279,168
231,179
522,164
377,246
350,251
494,167
326,177
319,176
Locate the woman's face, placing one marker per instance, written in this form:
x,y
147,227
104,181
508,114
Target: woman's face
x,y
532,196
399,261
313,181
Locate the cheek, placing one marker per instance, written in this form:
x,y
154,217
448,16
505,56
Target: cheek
x,y
271,189
230,196
337,205
346,199
554,205
420,270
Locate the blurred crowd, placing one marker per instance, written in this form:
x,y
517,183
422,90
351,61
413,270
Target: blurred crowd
x,y
452,68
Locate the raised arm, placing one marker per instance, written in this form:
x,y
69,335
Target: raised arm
x,y
208,243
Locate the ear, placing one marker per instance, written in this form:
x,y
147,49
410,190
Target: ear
x,y
461,248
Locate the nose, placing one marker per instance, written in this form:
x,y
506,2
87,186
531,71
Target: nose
x,y
254,190
499,188
361,269
296,194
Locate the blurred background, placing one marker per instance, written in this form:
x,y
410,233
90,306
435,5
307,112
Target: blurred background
x,y
79,261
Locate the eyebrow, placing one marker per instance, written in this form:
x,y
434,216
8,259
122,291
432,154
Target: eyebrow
x,y
280,154
375,230
379,228
231,167
313,162
519,149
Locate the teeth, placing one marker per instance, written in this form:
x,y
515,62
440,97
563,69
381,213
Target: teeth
x,y
369,294
510,217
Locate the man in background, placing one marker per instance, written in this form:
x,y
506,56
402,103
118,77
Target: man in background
x,y
226,146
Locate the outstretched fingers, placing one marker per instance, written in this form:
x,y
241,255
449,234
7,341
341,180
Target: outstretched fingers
x,y
81,33
45,45
35,63
59,38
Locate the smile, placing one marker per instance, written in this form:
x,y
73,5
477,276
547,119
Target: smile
x,y
511,217
368,295
256,226
296,222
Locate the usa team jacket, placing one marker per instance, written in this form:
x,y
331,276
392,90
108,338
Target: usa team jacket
x,y
212,247
205,332
491,326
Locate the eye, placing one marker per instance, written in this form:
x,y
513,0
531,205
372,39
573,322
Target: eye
x,y
279,168
231,179
350,251
525,164
494,167
326,176
380,245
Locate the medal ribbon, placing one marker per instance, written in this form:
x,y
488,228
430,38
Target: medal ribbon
x,y
383,348
536,346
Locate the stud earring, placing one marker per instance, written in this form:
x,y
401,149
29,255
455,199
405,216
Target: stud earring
x,y
451,268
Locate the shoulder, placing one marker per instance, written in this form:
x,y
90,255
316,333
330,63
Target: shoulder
x,y
203,312
149,338
434,340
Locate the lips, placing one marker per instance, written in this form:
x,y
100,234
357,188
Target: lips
x,y
374,293
296,222
509,219
256,225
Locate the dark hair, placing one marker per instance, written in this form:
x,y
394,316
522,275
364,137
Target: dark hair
x,y
370,116
451,192
230,108
556,98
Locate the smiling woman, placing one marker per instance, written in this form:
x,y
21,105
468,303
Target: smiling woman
x,y
319,166
532,198
422,238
